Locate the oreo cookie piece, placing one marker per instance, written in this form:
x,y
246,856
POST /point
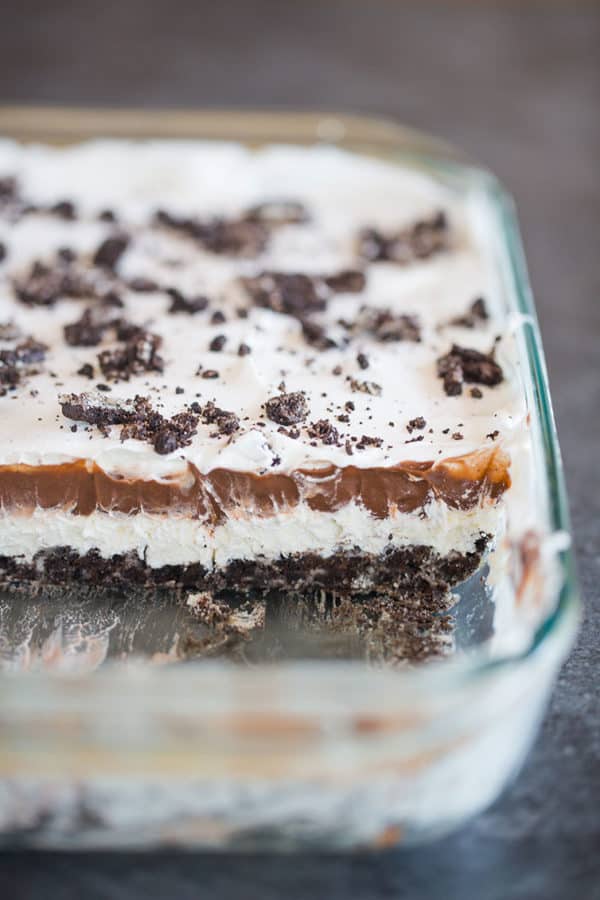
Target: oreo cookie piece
x,y
139,354
464,364
227,422
287,409
189,305
385,325
294,294
96,409
324,431
420,241
89,329
476,314
110,251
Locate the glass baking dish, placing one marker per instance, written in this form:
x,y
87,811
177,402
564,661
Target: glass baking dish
x,y
303,753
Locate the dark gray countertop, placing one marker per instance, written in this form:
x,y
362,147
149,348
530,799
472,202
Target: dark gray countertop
x,y
518,85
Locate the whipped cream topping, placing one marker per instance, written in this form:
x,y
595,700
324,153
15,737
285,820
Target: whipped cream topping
x,y
342,194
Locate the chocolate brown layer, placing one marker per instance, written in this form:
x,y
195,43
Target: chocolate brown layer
x,y
83,487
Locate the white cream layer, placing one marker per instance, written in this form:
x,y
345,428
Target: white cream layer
x,y
175,540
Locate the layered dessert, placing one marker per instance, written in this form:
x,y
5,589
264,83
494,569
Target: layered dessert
x,y
247,371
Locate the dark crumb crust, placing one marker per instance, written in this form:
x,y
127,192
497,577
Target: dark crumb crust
x,y
391,609
411,569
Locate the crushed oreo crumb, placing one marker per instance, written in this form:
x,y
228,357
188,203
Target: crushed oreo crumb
x,y
139,354
126,330
416,424
166,435
363,360
242,237
111,298
463,364
301,296
189,305
210,373
110,251
287,409
386,326
244,350
419,241
44,283
64,209
323,431
87,370
20,361
142,285
89,329
138,419
365,387
217,343
165,441
293,294
475,315
41,286
98,410
297,294
367,441
9,189
66,254
227,422
348,281
315,335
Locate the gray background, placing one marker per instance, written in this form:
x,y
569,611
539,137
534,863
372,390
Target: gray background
x,y
518,86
